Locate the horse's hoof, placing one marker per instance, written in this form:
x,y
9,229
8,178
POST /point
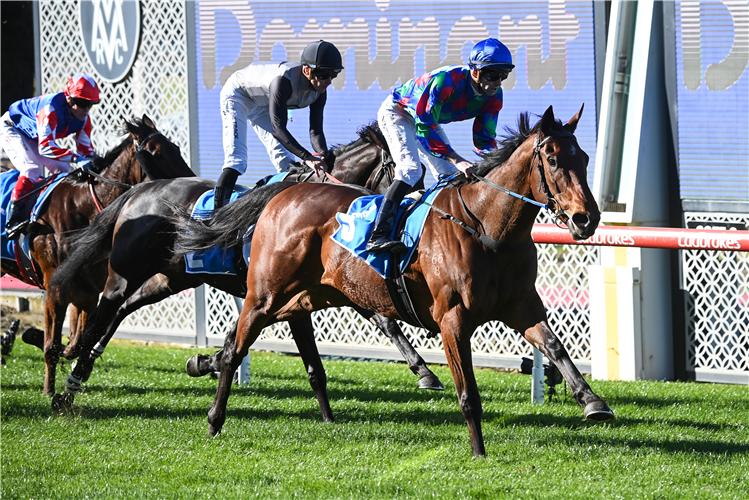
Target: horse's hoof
x,y
34,336
62,401
193,366
431,382
598,411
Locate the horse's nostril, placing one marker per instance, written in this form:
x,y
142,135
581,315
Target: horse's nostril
x,y
581,220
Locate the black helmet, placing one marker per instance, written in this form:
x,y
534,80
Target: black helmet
x,y
322,55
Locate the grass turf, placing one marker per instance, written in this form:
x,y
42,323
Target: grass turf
x,y
139,431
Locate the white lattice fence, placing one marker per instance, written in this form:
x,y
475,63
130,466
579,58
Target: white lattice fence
x,y
717,303
562,283
157,86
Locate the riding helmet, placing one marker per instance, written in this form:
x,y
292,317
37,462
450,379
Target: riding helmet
x,y
322,55
490,52
82,86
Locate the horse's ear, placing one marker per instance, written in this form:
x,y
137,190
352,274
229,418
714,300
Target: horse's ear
x,y
571,125
147,121
547,121
131,128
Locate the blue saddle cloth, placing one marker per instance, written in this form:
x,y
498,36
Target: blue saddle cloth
x,y
357,225
7,183
221,260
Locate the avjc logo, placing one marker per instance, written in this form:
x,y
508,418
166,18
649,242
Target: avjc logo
x,y
111,31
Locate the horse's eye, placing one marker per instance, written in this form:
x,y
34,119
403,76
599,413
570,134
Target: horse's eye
x,y
552,161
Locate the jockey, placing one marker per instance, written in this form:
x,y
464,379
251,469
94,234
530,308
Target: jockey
x,y
29,131
411,120
262,93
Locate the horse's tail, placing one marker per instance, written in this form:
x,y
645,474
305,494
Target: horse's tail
x,y
90,246
228,225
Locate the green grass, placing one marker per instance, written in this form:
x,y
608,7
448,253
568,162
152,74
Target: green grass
x,y
139,431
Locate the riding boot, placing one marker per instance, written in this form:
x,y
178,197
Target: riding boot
x,y
17,220
380,240
224,188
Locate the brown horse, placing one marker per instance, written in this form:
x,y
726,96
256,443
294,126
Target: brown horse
x,y
136,236
458,279
145,154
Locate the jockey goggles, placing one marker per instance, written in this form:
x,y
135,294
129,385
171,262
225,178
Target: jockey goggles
x,y
325,73
82,103
492,74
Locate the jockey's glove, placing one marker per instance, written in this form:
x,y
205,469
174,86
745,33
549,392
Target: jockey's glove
x,y
81,167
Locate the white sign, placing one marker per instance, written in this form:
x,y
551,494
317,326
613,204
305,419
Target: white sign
x,y
110,30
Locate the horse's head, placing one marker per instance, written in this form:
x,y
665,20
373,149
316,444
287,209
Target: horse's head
x,y
362,162
563,163
158,156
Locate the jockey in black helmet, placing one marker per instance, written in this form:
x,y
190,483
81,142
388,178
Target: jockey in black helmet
x,y
261,94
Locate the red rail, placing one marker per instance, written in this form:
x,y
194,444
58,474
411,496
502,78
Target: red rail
x,y
648,237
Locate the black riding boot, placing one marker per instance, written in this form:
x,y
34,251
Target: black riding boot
x,y
380,240
17,221
224,188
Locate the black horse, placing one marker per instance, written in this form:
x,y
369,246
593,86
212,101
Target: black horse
x,y
137,235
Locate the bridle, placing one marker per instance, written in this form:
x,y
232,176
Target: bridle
x,y
536,161
385,170
139,148
551,205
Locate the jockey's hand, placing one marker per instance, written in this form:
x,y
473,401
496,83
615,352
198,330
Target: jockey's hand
x,y
81,167
318,163
466,167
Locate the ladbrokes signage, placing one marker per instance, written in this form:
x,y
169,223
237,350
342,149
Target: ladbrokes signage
x,y
111,31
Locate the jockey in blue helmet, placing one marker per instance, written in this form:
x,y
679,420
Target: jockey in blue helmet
x,y
411,119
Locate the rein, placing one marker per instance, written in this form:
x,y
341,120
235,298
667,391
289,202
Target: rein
x,y
487,240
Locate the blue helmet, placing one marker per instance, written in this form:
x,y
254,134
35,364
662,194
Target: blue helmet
x,y
490,52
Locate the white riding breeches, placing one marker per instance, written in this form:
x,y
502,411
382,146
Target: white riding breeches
x,y
23,152
399,129
236,111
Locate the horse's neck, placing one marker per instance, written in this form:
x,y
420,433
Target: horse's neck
x,y
503,216
357,166
124,169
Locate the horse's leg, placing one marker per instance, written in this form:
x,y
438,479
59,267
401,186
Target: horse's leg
x,y
391,329
543,339
530,318
456,338
251,322
54,316
304,337
77,325
118,306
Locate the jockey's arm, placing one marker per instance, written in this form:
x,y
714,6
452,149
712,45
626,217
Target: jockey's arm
x,y
59,158
280,92
316,135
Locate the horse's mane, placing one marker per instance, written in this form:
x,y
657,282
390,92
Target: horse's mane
x,y
102,162
510,141
365,136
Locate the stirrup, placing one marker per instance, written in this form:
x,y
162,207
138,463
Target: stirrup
x,y
12,233
386,245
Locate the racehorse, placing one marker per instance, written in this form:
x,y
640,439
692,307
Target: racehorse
x,y
476,261
145,154
137,235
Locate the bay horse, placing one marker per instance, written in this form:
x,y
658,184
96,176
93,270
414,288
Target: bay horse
x,y
458,279
136,234
144,154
